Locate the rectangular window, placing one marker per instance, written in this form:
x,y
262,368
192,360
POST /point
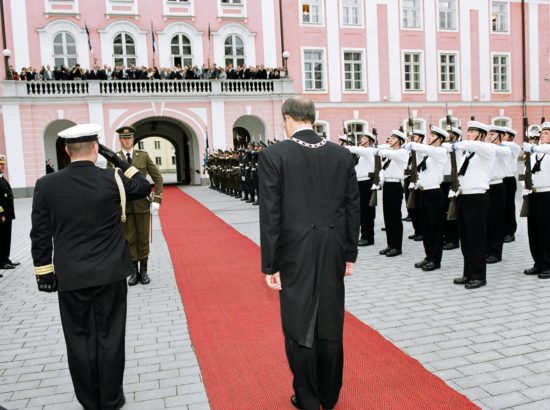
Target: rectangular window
x,y
140,145
173,160
353,71
410,13
447,14
313,70
320,129
158,160
412,70
501,77
157,144
311,11
499,16
178,1
448,70
352,13
231,1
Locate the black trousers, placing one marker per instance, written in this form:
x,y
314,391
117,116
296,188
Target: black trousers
x,y
496,220
392,195
432,217
538,229
450,231
94,325
317,372
5,241
472,230
416,214
511,187
368,213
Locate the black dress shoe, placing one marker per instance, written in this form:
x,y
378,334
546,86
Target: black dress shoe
x,y
461,281
384,251
365,242
535,270
493,259
509,238
419,238
412,236
7,266
474,284
407,219
450,245
545,274
14,263
121,403
421,263
1,276
431,266
383,229
393,252
294,401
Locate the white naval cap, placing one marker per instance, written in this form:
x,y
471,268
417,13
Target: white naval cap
x,y
457,131
478,126
369,135
398,134
496,128
419,132
439,131
545,126
80,133
511,131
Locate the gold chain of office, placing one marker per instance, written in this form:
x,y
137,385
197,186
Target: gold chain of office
x,y
307,144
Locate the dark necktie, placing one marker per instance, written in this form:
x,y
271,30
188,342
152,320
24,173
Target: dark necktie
x,y
386,164
129,158
536,167
422,166
464,166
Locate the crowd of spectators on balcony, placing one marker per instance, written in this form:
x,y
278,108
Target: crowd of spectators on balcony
x,y
206,72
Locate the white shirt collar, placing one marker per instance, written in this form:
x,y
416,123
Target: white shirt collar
x,y
131,151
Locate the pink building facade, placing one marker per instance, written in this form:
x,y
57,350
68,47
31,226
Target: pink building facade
x,y
364,63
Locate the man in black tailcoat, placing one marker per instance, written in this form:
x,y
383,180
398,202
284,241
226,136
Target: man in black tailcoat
x,y
7,215
309,225
78,211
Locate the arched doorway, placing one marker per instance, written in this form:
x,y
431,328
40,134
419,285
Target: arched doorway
x,y
251,125
241,137
54,148
182,139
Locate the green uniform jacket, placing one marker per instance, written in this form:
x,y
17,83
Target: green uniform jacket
x,y
145,165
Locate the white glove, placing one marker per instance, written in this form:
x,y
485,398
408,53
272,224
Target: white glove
x,y
408,146
528,147
155,206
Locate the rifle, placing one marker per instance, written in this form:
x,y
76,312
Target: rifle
x,y
524,213
411,202
451,212
376,177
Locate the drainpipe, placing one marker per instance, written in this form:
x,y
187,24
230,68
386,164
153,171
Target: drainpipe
x,y
523,64
282,29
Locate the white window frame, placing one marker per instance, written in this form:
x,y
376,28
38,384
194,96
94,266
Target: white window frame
x,y
48,33
508,73
183,56
234,56
420,14
507,4
323,50
219,43
230,6
360,15
177,4
110,3
65,56
421,122
455,121
165,36
363,123
506,120
457,71
455,17
124,56
325,125
49,3
422,72
158,161
321,21
363,88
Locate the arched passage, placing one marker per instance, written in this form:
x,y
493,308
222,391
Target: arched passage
x,y
250,124
54,148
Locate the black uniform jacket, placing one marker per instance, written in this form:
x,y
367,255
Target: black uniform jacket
x,y
309,227
76,217
6,199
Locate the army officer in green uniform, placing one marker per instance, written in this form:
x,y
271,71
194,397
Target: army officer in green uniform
x,y
138,212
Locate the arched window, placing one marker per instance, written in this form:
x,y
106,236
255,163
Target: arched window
x,y
124,50
64,50
181,50
234,51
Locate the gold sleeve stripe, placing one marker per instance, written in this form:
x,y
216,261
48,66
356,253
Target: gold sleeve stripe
x,y
158,196
1,209
43,270
130,172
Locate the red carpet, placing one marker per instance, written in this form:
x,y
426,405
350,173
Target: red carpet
x,y
235,328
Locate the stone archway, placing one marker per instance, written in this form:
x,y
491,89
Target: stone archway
x,y
252,124
54,148
183,139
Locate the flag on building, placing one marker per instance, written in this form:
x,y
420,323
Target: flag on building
x,y
153,38
88,34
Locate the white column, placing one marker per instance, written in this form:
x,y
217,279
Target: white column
x,y
485,66
534,82
430,59
14,145
465,53
218,125
21,55
95,113
268,24
333,52
394,52
373,57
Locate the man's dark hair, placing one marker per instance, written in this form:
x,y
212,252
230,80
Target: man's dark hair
x,y
299,109
77,148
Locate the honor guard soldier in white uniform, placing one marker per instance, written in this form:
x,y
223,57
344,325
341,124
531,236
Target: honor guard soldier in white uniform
x,y
473,203
538,222
510,184
431,197
138,213
79,250
418,137
393,167
363,169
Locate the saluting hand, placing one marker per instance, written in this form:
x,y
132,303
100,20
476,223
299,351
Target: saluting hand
x,y
274,281
349,269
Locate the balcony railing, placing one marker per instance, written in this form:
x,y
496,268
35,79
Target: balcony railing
x,y
176,88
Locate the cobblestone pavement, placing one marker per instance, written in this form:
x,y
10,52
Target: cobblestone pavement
x,y
492,344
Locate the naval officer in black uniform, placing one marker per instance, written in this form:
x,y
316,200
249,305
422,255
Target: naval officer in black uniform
x,y
78,212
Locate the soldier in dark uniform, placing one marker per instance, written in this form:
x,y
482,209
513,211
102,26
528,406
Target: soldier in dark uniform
x,y
78,212
7,215
138,223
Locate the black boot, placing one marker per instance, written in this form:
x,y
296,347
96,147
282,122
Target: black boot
x,y
143,272
245,197
251,199
135,277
